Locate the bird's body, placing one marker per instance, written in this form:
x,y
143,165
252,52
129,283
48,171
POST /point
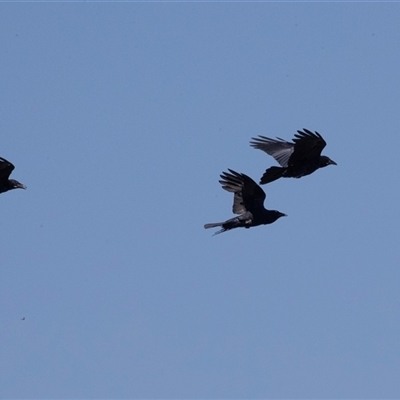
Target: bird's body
x,y
7,184
298,158
248,203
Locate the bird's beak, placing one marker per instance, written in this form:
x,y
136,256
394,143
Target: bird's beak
x,y
284,215
21,186
332,162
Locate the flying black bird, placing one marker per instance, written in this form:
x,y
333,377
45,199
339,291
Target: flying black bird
x,y
5,171
248,202
297,159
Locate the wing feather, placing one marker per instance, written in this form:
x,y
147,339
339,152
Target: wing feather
x,y
278,148
5,169
248,195
307,145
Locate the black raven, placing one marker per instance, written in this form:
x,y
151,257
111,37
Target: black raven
x,y
5,171
248,202
297,159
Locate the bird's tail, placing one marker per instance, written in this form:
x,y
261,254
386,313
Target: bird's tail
x,y
232,223
214,225
272,174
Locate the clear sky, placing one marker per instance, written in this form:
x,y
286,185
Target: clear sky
x,y
119,118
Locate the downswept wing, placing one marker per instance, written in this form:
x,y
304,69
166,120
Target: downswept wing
x,y
5,169
278,148
307,145
248,196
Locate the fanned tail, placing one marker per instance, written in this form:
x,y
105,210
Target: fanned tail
x,y
272,174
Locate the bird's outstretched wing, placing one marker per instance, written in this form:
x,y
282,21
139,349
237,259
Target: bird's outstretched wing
x,y
5,169
307,145
278,148
248,196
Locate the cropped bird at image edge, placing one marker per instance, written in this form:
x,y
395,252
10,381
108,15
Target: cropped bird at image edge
x,y
7,184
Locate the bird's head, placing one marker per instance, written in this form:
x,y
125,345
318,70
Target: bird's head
x,y
13,184
324,161
278,214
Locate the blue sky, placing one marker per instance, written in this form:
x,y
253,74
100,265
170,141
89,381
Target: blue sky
x,y
119,118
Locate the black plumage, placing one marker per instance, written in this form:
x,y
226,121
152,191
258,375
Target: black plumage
x,y
298,158
248,202
7,184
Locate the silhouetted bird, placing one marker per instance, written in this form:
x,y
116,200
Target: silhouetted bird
x,y
5,171
248,202
297,159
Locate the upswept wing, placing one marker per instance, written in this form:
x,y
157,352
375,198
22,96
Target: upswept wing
x,y
278,148
5,169
248,196
307,145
